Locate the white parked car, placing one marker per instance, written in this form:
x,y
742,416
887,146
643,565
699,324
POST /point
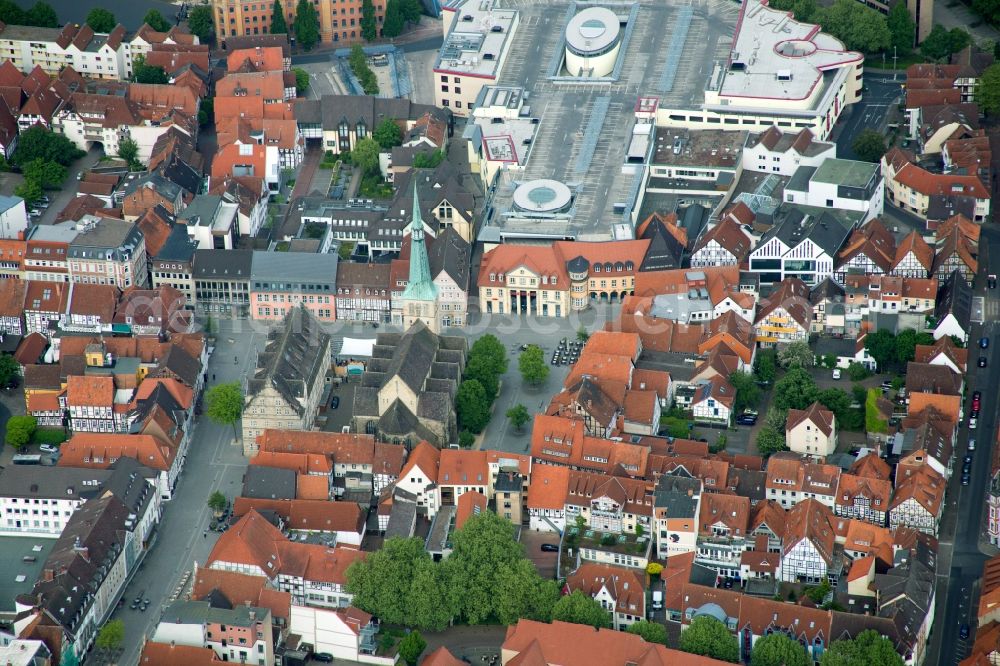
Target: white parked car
x,y
836,373
48,448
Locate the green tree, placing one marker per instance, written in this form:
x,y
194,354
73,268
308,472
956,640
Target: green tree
x,y
518,415
906,344
42,15
958,39
206,110
869,648
49,175
881,346
154,19
491,350
301,80
778,650
365,155
10,370
770,441
937,44
143,73
522,593
128,150
429,160
411,10
837,401
11,13
388,134
392,23
580,608
472,406
902,29
710,638
479,368
869,145
829,361
796,390
796,355
382,583
765,367
101,20
20,429
747,391
803,10
651,632
278,24
306,24
987,92
224,404
531,364
858,26
39,142
857,371
818,592
200,22
217,502
111,637
423,601
466,439
411,647
989,10
484,557
369,28
30,190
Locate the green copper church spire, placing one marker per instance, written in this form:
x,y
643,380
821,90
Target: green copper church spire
x,y
421,286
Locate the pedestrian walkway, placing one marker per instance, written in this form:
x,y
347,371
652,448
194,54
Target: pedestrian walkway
x,y
307,172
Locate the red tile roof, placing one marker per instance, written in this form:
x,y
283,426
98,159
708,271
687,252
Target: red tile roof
x,y
822,418
99,450
469,504
241,589
90,391
168,654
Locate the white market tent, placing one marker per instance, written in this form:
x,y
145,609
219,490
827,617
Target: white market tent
x,y
357,347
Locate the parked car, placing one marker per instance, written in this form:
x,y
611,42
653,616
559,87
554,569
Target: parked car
x,y
48,448
836,373
963,631
984,343
973,422
965,479
972,444
335,402
550,548
991,280
982,362
748,420
323,657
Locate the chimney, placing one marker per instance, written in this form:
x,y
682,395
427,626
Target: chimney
x,y
48,574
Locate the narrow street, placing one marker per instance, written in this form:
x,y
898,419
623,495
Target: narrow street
x,y
213,463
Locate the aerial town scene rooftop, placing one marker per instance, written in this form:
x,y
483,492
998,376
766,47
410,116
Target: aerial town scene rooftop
x,y
553,333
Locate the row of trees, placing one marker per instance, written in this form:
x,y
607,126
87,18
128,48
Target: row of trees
x,y
858,26
397,14
39,14
486,363
708,637
360,68
893,351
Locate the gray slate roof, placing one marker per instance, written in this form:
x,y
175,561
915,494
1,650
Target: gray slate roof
x,y
269,483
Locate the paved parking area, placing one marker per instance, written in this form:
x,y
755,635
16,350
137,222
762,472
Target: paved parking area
x,y
545,562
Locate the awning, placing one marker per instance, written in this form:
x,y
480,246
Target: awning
x,y
357,347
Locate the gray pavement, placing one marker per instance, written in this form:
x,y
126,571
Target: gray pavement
x,y
214,462
960,556
955,14
882,93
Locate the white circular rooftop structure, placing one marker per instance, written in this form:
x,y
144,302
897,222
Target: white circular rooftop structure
x,y
543,196
593,38
592,32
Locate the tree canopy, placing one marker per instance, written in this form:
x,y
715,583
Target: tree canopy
x,y
770,440
796,390
902,28
301,80
651,632
101,20
200,22
20,429
988,90
10,370
49,175
154,19
412,646
531,364
278,24
778,650
143,73
580,608
765,366
392,23
869,145
881,346
941,42
861,28
472,406
369,28
306,24
37,142
869,648
708,637
518,415
796,355
111,636
224,403
217,502
365,155
747,391
388,134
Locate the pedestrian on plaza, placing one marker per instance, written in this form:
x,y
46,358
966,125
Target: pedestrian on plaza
x,y
213,376
204,534
236,360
